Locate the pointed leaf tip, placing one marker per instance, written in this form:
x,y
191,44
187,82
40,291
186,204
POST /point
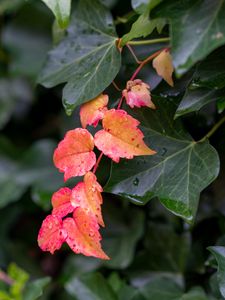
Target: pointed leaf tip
x,y
87,195
83,234
93,111
120,137
163,65
74,155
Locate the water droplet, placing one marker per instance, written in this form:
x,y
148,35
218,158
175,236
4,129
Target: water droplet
x,y
136,181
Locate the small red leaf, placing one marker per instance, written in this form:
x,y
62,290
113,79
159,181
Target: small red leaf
x,y
87,195
74,155
121,137
51,235
61,202
83,234
93,111
137,94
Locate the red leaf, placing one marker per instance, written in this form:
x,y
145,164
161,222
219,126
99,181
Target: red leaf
x,y
51,235
74,155
83,234
93,111
61,202
87,195
121,137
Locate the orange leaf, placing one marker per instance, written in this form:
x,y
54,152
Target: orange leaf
x,y
87,195
164,66
83,234
51,235
121,137
74,154
93,111
61,202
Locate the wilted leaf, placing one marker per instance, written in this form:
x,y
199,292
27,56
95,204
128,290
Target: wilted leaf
x,y
164,66
83,234
93,111
74,155
121,137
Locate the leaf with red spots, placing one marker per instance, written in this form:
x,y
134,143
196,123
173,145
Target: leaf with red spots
x,y
74,155
51,235
61,202
120,137
83,234
87,195
164,66
93,111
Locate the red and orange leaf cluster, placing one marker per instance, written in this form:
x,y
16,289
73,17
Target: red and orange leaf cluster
x,y
76,215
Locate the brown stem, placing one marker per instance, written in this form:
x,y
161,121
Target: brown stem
x,y
133,54
97,162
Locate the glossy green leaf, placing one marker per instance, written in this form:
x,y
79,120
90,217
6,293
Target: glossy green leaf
x,y
90,287
195,99
179,171
61,10
219,254
197,28
34,289
87,59
196,293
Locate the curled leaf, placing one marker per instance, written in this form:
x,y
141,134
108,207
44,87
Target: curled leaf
x,y
87,195
137,94
51,235
93,111
120,137
61,202
164,66
74,155
83,234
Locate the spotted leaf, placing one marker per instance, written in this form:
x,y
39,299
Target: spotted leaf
x,y
61,202
120,137
74,155
87,195
83,234
51,235
93,111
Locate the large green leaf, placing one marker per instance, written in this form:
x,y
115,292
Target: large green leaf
x,y
90,287
219,254
179,171
87,59
34,289
195,99
61,10
197,28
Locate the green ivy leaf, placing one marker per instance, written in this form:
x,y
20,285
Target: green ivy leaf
x,y
195,99
87,59
90,287
34,289
197,28
219,254
61,10
179,171
140,6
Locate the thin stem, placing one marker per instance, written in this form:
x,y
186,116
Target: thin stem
x,y
149,42
120,102
133,54
116,86
213,130
5,278
97,162
144,62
